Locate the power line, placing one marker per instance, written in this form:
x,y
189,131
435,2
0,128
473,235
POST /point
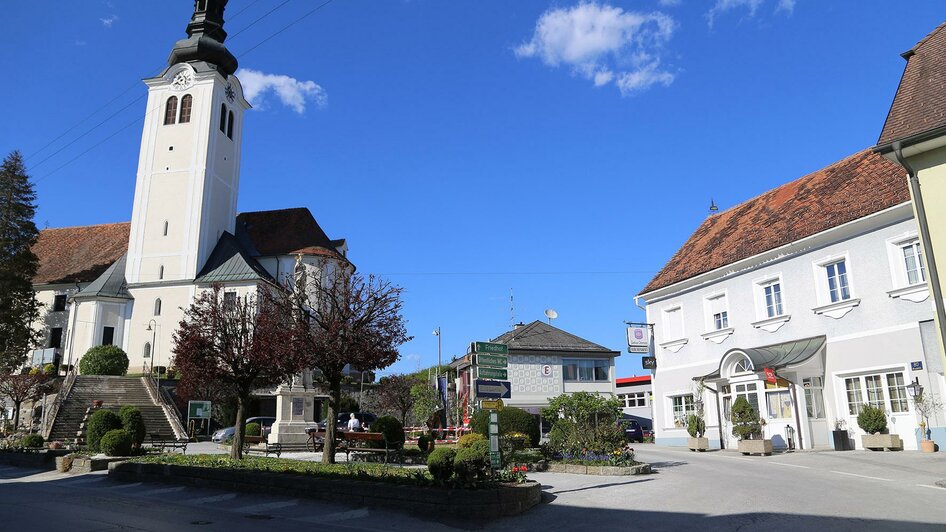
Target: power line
x,y
287,26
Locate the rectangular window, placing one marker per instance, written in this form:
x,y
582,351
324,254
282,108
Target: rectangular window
x,y
59,303
673,324
875,391
897,392
633,399
749,392
682,407
582,370
855,400
814,397
913,261
229,299
108,335
838,288
719,312
780,404
773,299
55,337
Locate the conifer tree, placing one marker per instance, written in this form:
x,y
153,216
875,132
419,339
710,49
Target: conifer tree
x,y
18,264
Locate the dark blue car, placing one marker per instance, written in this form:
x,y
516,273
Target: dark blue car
x,y
633,432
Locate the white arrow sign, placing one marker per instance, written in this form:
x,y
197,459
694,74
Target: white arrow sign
x,y
497,389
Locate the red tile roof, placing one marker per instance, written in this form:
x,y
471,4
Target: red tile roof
x,y
79,254
641,379
920,102
852,188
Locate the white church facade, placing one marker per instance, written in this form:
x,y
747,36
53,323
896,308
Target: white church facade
x,y
127,283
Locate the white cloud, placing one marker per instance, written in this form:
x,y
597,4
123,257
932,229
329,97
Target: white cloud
x,y
722,6
669,3
603,43
109,20
291,92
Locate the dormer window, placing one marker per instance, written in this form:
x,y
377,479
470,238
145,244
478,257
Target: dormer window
x,y
170,111
187,101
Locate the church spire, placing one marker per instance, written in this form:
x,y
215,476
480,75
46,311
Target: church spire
x,y
205,36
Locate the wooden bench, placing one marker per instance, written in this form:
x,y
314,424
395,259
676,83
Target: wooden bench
x,y
363,442
160,442
266,449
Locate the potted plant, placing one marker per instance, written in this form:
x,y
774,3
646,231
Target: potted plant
x,y
748,428
697,427
840,436
927,406
873,421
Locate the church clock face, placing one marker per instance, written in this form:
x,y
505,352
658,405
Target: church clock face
x,y
183,80
229,93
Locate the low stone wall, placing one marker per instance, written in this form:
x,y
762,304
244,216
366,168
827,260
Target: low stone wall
x,y
42,459
501,501
85,464
608,471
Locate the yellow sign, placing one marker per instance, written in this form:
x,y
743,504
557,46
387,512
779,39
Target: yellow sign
x,y
493,404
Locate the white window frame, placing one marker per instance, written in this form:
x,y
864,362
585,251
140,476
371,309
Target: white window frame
x,y
887,398
578,363
764,321
638,399
672,344
717,330
901,287
834,309
689,407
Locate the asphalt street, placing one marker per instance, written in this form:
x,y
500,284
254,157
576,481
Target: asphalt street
x,y
705,491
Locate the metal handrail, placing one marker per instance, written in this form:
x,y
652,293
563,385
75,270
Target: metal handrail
x,y
61,398
164,400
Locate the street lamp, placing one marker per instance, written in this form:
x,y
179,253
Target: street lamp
x,y
437,334
153,327
915,389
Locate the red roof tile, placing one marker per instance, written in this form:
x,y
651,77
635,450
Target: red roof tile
x,y
852,188
79,254
633,380
920,102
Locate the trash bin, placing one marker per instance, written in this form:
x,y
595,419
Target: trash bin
x,y
841,440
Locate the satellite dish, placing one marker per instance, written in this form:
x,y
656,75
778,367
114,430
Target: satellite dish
x,y
550,314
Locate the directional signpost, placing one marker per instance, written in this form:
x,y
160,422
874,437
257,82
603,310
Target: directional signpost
x,y
487,347
493,389
492,373
496,361
493,404
495,459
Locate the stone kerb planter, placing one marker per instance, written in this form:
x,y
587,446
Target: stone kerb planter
x,y
880,442
609,471
501,501
763,447
698,444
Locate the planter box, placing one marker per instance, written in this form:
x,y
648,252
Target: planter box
x,y
763,447
842,442
928,446
879,442
698,444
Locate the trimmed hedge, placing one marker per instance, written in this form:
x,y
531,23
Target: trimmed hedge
x,y
134,423
101,422
872,420
253,429
440,463
117,443
511,419
468,440
391,428
104,360
32,440
471,464
425,443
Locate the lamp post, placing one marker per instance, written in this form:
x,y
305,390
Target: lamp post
x,y
915,389
437,334
153,327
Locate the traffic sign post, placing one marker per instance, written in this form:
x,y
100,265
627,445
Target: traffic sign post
x,y
487,347
492,389
494,361
492,373
493,404
495,459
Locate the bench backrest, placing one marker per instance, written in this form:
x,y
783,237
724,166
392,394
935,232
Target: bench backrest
x,y
362,436
255,439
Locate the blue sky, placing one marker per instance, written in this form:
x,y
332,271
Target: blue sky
x,y
557,151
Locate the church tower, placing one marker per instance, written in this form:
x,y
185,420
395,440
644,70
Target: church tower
x,y
189,162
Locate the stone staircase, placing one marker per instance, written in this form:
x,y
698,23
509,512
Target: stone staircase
x,y
114,392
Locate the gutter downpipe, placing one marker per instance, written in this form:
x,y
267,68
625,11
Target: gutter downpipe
x,y
931,270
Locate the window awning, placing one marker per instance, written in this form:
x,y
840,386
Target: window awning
x,y
776,356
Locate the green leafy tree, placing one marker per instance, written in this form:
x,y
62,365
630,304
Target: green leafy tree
x,y
584,422
18,264
104,360
426,401
512,420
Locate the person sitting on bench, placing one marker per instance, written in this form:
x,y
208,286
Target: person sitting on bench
x,y
354,424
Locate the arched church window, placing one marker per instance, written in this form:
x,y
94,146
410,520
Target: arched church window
x,y
223,118
157,307
187,101
161,272
230,126
170,112
743,365
146,352
165,228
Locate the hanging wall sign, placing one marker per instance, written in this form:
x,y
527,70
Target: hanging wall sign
x,y
638,338
770,375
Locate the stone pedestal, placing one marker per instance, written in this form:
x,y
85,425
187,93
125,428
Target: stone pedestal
x,y
295,411
698,444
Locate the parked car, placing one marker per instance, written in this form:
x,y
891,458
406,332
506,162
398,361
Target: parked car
x,y
266,425
341,421
633,431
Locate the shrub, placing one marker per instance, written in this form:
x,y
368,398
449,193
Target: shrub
x,y
440,463
469,439
745,420
101,422
391,428
471,464
511,419
49,369
116,443
696,426
253,429
425,443
134,423
104,360
872,420
514,441
33,440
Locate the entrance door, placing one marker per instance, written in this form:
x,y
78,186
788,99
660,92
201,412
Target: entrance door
x,y
817,419
750,391
779,416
